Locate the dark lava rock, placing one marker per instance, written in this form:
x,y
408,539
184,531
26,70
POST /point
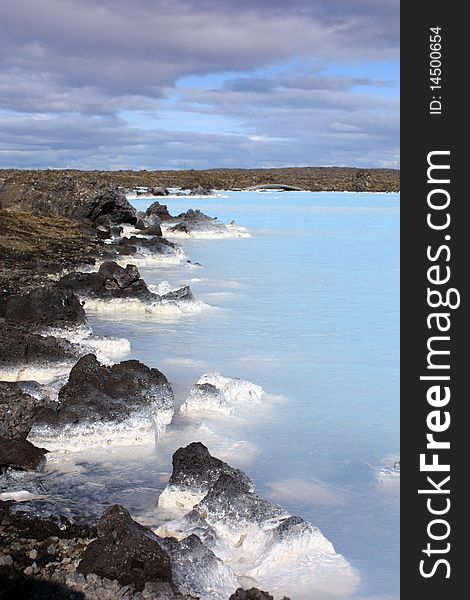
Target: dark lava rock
x,y
200,191
126,250
140,223
17,410
160,210
116,231
252,594
96,394
195,468
19,347
132,554
153,229
126,551
21,454
104,232
112,204
154,245
111,281
231,499
195,215
45,307
159,191
182,294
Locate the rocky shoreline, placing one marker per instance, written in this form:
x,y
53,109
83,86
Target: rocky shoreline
x,y
64,243
315,179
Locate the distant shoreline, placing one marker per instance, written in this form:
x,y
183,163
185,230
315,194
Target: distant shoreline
x,y
314,179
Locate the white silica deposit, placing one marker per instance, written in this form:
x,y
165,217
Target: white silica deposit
x,y
143,427
265,547
215,393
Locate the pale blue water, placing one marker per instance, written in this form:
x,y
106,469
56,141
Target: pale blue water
x,y
309,309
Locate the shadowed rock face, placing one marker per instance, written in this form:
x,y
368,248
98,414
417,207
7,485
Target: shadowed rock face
x,y
45,307
132,554
17,410
111,281
98,392
195,468
126,404
154,245
19,347
126,551
21,454
159,210
55,193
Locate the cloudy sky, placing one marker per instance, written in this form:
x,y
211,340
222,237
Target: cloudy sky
x,y
118,84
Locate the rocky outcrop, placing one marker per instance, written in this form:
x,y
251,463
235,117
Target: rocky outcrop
x,y
45,307
61,194
125,404
111,281
21,454
148,246
195,470
132,554
18,410
200,191
20,349
157,210
126,551
259,539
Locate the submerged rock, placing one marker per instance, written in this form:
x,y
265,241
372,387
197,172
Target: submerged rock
x,y
195,470
124,404
21,454
45,307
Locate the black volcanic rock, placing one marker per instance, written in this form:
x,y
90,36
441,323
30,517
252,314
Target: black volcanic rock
x,y
98,399
126,551
134,555
196,469
153,245
45,307
18,410
111,281
160,210
153,229
110,208
21,454
20,347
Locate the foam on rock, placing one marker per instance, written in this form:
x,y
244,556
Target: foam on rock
x,y
194,472
124,404
262,543
215,393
